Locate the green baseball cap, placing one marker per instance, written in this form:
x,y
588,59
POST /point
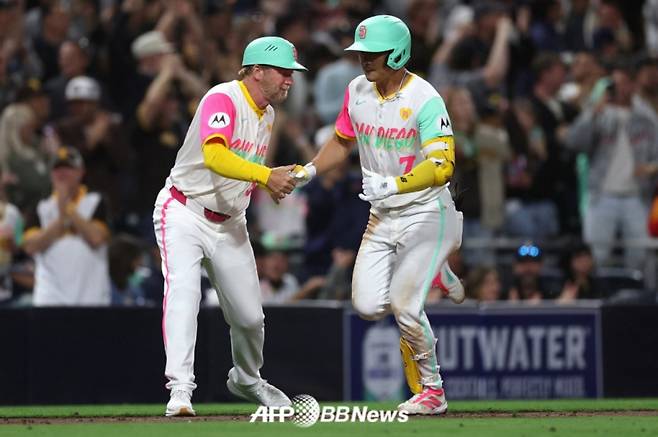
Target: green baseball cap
x,y
382,33
273,51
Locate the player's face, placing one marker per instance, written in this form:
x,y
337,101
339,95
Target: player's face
x,y
276,83
374,65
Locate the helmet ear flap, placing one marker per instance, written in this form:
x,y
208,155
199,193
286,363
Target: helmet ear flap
x,y
398,58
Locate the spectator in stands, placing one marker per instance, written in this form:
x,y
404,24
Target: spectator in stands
x,y
11,233
181,19
650,12
23,159
647,83
463,61
290,142
336,218
527,215
586,70
73,61
293,26
483,284
482,147
283,220
125,256
278,284
423,20
527,284
621,141
331,79
493,151
555,177
574,32
547,22
608,33
18,60
580,282
56,21
100,137
161,120
68,238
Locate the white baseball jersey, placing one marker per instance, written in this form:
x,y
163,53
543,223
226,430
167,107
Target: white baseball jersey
x,y
187,239
391,131
226,111
402,250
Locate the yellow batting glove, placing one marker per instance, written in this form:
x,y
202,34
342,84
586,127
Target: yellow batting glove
x,y
303,175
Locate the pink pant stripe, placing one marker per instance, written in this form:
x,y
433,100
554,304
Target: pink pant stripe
x,y
166,268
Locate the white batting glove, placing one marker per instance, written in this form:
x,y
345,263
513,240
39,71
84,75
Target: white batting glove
x,y
376,186
303,175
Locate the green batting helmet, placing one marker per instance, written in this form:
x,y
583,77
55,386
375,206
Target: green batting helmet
x,y
382,33
273,51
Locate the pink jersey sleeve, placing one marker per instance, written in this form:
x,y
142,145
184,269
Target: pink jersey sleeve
x,y
343,122
217,117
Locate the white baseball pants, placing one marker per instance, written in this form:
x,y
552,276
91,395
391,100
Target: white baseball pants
x,y
401,252
187,240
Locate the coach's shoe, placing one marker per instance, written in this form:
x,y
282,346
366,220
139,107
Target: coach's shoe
x,y
429,401
180,404
450,286
261,393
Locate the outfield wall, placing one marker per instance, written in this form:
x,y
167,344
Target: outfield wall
x,y
115,355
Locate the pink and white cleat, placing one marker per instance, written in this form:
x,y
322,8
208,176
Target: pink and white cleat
x,y
450,286
429,401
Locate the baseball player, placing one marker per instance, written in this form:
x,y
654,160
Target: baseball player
x,y
405,142
199,220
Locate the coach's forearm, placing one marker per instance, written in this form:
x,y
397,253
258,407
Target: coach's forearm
x,y
332,153
225,163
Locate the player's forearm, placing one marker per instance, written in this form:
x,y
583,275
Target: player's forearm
x,y
332,153
436,170
225,163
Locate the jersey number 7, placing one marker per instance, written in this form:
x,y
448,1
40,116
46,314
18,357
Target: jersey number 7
x,y
408,162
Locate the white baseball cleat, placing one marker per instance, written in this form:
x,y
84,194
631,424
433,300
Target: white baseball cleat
x,y
451,287
429,401
261,393
180,404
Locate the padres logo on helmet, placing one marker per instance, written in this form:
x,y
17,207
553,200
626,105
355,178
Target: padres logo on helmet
x,y
383,33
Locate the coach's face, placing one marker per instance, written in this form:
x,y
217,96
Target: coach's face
x,y
275,83
374,65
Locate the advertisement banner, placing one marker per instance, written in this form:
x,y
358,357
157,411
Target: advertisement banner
x,y
491,353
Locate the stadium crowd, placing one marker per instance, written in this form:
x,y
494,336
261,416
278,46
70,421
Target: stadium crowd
x,y
554,106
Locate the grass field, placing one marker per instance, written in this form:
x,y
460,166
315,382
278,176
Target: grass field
x,y
628,417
